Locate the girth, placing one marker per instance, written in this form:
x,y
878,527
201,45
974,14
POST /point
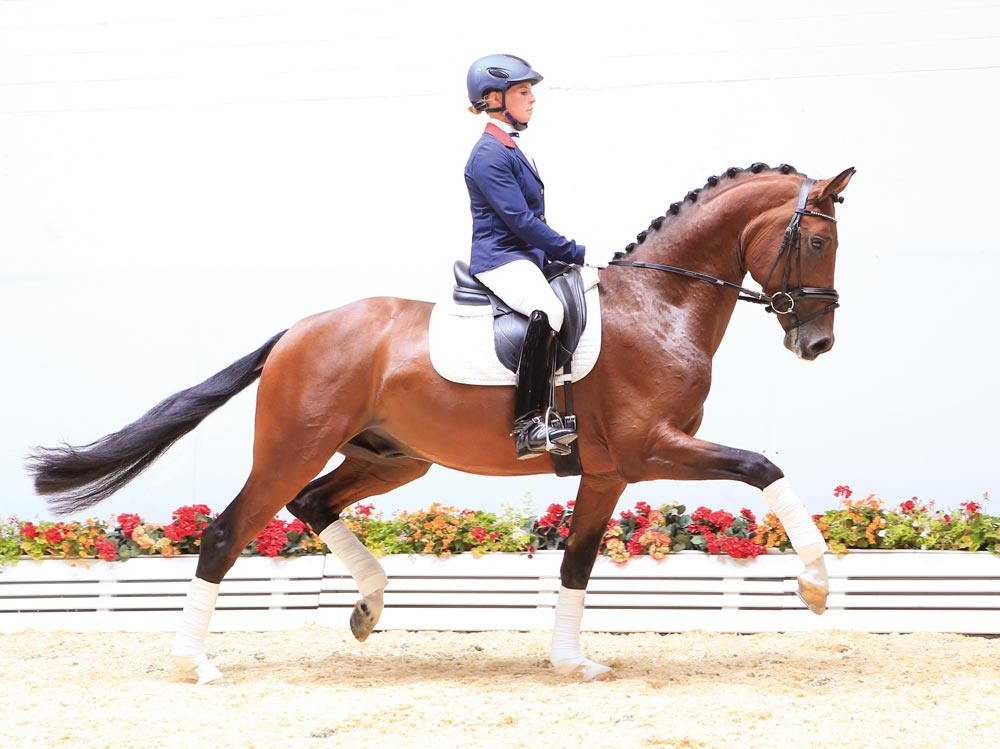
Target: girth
x,y
509,326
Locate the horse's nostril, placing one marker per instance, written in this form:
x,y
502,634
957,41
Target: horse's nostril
x,y
821,345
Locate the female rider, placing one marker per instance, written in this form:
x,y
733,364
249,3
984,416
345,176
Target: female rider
x,y
511,241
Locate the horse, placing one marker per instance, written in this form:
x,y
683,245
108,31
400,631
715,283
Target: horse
x,y
357,380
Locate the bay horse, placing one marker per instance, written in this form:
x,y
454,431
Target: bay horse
x,y
358,380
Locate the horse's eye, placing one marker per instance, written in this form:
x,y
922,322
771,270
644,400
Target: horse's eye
x,y
817,243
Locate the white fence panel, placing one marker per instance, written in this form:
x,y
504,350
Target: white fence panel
x,y
896,591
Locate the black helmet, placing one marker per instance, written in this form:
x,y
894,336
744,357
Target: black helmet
x,y
497,73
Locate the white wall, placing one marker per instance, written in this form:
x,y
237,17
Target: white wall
x,y
179,180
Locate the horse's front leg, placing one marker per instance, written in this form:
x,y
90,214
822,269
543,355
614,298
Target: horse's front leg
x,y
595,502
676,455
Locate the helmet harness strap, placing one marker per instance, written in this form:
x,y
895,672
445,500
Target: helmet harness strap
x,y
519,126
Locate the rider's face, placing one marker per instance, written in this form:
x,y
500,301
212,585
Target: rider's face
x,y
520,101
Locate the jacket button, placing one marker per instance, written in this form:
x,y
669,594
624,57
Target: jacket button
x,y
542,217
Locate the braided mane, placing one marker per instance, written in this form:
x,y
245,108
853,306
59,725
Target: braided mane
x,y
692,197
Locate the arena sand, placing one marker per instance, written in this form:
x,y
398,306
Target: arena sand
x,y
317,687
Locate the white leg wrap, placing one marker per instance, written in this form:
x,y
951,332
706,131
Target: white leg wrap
x,y
361,563
367,573
189,643
565,653
805,537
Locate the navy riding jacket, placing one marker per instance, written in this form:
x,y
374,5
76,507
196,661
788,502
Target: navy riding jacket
x,y
508,208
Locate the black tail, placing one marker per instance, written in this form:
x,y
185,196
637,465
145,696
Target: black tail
x,y
79,477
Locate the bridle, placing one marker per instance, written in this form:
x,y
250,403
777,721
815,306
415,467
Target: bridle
x,y
783,302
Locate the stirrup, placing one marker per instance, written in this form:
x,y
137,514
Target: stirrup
x,y
537,435
560,431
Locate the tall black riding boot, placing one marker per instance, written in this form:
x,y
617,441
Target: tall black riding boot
x,y
538,428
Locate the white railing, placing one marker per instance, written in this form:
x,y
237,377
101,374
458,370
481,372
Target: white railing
x,y
897,591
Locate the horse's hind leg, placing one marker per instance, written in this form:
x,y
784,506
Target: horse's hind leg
x,y
320,504
280,469
221,544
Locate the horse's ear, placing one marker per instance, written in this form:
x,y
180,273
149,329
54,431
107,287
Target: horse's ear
x,y
833,187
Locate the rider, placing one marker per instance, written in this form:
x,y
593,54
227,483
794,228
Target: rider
x,y
511,241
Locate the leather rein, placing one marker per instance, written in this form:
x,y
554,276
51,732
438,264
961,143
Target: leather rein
x,y
783,302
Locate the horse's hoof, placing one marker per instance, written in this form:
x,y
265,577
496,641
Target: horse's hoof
x,y
204,670
584,670
207,673
365,616
813,595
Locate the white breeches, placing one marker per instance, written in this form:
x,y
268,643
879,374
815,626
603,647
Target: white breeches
x,y
522,286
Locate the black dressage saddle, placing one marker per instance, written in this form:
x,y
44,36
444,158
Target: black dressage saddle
x,y
509,326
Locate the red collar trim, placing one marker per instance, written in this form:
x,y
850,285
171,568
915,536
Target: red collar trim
x,y
500,135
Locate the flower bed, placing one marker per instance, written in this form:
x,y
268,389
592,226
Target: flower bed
x,y
645,530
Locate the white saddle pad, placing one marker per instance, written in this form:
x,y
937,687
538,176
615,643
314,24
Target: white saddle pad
x,y
461,341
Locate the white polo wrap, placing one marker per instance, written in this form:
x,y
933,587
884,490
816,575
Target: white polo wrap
x,y
361,563
805,537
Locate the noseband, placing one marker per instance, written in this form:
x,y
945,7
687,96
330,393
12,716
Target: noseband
x,y
783,302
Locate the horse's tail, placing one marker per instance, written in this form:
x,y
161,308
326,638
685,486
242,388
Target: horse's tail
x,y
76,478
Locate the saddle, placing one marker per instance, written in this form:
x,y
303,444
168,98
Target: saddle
x,y
509,326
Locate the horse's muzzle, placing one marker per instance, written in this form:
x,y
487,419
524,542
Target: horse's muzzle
x,y
806,345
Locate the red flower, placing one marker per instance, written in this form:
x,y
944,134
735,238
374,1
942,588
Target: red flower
x,y
643,507
29,531
740,548
627,515
479,533
843,491
174,532
53,536
272,539
634,548
128,523
702,513
189,520
106,550
563,531
552,517
296,526
721,519
364,510
908,506
972,508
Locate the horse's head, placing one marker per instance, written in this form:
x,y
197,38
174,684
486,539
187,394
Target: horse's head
x,y
791,251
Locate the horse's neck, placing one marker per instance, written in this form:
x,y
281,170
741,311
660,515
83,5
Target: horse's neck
x,y
705,239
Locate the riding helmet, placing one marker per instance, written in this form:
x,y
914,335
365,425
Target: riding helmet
x,y
497,72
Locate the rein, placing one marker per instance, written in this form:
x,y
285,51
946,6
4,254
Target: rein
x,y
783,302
